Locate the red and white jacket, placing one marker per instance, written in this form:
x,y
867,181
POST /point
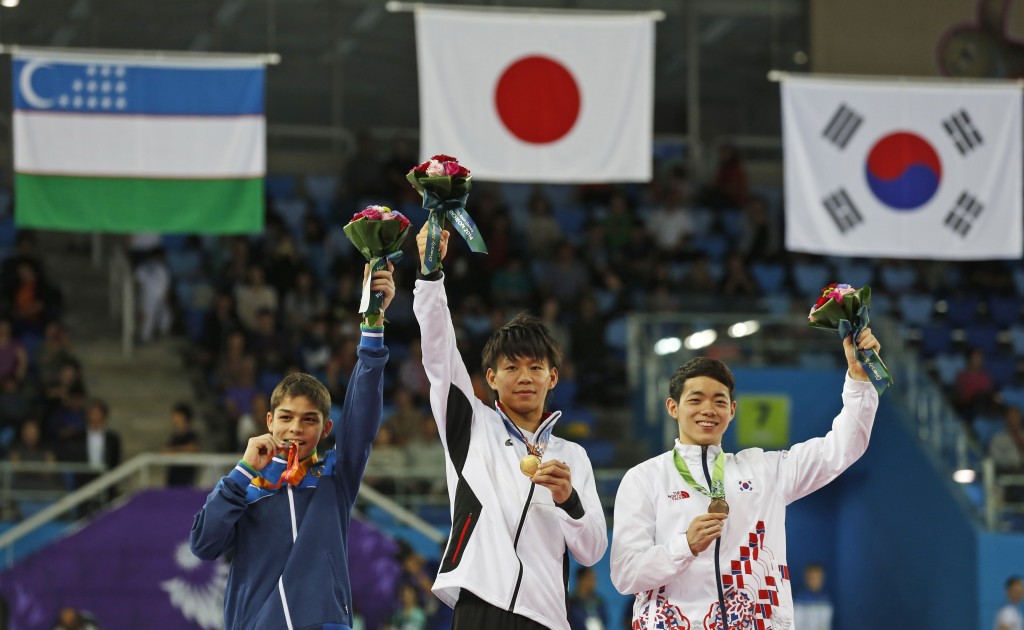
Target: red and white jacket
x,y
509,540
654,507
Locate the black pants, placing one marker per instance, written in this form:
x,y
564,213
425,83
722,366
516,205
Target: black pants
x,y
473,613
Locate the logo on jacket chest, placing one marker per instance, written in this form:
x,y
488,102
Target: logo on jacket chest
x,y
679,494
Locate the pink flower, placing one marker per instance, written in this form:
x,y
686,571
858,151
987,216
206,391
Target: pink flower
x,y
436,169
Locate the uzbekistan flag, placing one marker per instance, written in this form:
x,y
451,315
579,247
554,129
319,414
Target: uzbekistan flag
x,y
122,143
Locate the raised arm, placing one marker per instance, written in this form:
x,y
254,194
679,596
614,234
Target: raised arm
x,y
364,398
812,464
450,383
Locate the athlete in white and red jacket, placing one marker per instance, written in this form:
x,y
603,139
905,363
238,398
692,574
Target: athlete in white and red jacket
x,y
668,549
506,564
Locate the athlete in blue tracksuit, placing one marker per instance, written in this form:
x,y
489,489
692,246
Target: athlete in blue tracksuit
x,y
290,538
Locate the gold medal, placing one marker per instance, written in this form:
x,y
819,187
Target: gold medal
x,y
529,465
718,506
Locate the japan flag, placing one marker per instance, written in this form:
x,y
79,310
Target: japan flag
x,y
538,97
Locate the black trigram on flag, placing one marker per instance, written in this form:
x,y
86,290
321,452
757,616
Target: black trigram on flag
x,y
964,213
842,126
963,132
842,211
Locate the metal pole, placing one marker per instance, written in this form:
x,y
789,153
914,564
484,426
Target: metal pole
x,y
696,159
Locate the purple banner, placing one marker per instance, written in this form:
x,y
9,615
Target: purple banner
x,y
132,568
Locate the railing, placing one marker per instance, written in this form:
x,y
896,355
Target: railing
x,y
138,473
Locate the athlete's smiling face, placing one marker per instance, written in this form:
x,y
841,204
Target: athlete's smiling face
x,y
703,411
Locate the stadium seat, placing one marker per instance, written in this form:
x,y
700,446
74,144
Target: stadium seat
x,y
898,278
916,309
854,273
948,365
810,278
1017,338
935,339
279,186
770,277
715,246
1004,310
962,310
1002,368
981,336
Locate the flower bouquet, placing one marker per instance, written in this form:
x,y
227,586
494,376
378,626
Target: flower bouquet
x,y
378,233
444,185
845,309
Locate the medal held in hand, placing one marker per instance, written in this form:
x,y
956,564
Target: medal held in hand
x,y
530,462
718,503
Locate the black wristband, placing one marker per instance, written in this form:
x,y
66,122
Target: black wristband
x,y
436,274
573,506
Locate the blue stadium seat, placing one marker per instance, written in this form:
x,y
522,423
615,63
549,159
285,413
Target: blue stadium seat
x,y
810,278
715,246
1017,338
948,365
1004,310
855,273
898,278
1002,368
962,310
916,309
279,186
935,339
770,277
981,336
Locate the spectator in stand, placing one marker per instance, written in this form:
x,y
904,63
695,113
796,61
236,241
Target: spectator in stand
x,y
253,423
760,233
31,301
314,347
737,282
72,619
812,607
233,362
1009,616
252,296
542,230
394,170
13,357
183,439
234,270
386,459
617,224
1007,451
564,278
15,408
219,323
406,418
512,286
25,251
65,422
410,615
973,388
101,446
670,226
282,264
303,303
411,374
587,609
53,353
153,283
30,447
272,347
730,188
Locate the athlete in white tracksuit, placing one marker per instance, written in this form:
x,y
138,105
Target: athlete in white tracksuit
x,y
510,539
666,547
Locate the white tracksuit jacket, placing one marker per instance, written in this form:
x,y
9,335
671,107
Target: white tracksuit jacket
x,y
654,507
509,541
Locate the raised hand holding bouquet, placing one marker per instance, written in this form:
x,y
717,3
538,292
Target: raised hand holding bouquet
x,y
378,233
845,309
444,185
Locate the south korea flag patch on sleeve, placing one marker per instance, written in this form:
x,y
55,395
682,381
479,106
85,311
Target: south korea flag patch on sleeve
x,y
746,485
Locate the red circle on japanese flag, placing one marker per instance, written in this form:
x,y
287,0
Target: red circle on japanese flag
x,y
537,99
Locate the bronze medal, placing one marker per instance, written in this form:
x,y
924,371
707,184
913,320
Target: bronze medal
x,y
718,506
529,465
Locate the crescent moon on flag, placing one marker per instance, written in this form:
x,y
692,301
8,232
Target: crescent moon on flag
x,y
25,84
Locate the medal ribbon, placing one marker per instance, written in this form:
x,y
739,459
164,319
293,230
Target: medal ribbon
x,y
717,476
541,437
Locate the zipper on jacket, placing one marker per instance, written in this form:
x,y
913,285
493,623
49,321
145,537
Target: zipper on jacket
x,y
718,544
462,538
515,546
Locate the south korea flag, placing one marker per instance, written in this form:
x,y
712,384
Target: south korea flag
x,y
897,169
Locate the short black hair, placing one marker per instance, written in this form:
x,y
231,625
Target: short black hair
x,y
1013,579
184,409
525,336
701,366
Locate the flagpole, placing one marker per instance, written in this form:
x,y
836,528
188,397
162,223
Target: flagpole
x,y
778,76
270,59
396,6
